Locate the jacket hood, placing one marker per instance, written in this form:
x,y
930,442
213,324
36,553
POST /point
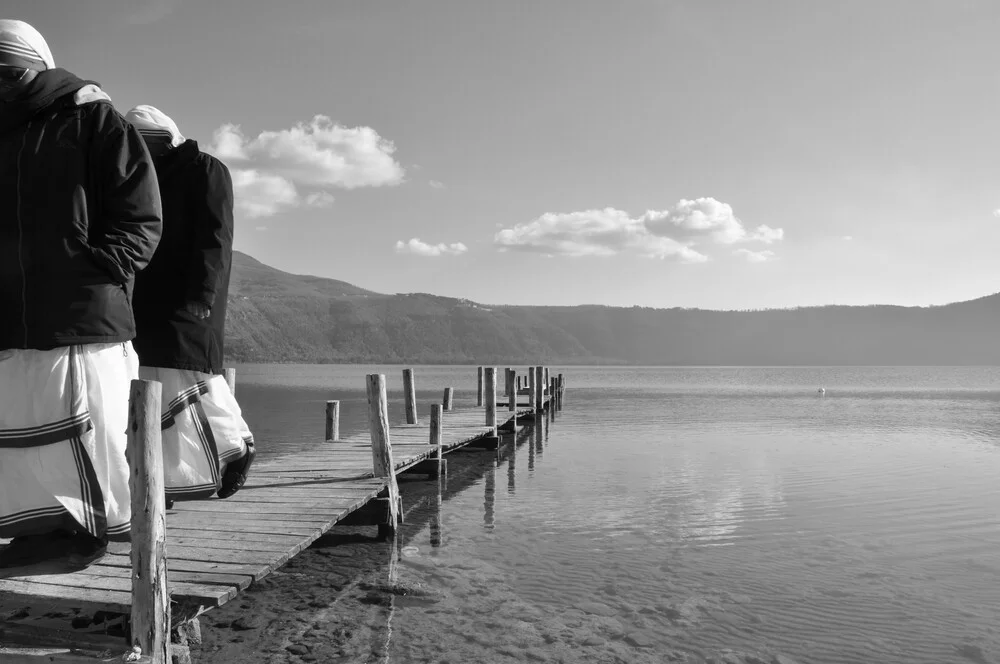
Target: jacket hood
x,y
176,159
44,91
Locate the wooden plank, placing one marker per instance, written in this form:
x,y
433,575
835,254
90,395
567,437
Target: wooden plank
x,y
56,655
210,595
254,570
175,576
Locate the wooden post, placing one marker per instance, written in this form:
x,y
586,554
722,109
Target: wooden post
x,y
508,383
333,420
435,437
410,396
531,387
518,382
547,382
382,463
512,398
539,386
150,597
436,428
479,397
491,400
231,380
449,397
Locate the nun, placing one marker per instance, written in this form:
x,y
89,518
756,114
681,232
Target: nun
x,y
80,215
180,309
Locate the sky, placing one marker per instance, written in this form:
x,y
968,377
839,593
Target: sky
x,y
720,154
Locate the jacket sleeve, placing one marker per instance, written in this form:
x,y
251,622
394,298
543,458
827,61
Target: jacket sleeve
x,y
213,232
131,213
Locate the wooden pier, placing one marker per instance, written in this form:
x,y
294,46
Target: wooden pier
x,y
211,550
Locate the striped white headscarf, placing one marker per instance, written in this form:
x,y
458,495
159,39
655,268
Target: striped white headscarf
x,y
23,46
154,123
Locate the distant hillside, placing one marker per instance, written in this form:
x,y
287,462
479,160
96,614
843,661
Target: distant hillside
x,y
279,317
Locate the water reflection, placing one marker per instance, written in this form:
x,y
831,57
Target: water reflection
x,y
435,528
490,500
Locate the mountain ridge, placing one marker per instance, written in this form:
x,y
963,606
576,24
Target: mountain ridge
x,y
276,316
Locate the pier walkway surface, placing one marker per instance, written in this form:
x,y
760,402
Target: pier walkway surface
x,y
214,548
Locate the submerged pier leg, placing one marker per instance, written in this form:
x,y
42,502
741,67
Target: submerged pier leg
x,y
382,463
150,616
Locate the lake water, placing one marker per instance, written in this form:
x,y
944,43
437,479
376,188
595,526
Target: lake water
x,y
694,514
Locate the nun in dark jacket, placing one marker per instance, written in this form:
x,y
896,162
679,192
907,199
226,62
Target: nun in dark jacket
x,y
79,217
180,310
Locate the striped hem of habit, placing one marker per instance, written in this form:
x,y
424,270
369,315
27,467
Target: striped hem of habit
x,y
19,51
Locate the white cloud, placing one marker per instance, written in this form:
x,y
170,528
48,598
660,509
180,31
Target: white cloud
x,y
317,156
436,184
670,233
262,195
319,199
996,213
417,247
755,256
848,237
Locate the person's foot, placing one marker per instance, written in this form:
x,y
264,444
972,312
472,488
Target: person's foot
x,y
57,552
236,473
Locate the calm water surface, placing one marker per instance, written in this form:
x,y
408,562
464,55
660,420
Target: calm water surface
x,y
695,513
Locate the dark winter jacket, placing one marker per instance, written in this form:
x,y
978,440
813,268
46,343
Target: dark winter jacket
x,y
79,216
191,265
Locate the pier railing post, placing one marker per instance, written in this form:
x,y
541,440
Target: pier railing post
x,y
333,420
436,431
230,375
491,400
539,387
512,396
382,463
449,398
547,383
150,597
479,382
410,396
531,388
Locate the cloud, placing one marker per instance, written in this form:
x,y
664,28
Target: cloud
x,y
672,233
419,248
706,219
848,237
262,195
756,256
317,156
436,184
319,199
996,213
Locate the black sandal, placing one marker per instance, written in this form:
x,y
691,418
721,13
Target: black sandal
x,y
236,473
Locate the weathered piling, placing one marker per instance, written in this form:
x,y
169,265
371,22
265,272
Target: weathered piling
x,y
230,375
512,399
449,398
539,389
150,597
382,463
480,387
519,383
506,381
491,400
547,382
531,388
333,420
410,396
435,434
